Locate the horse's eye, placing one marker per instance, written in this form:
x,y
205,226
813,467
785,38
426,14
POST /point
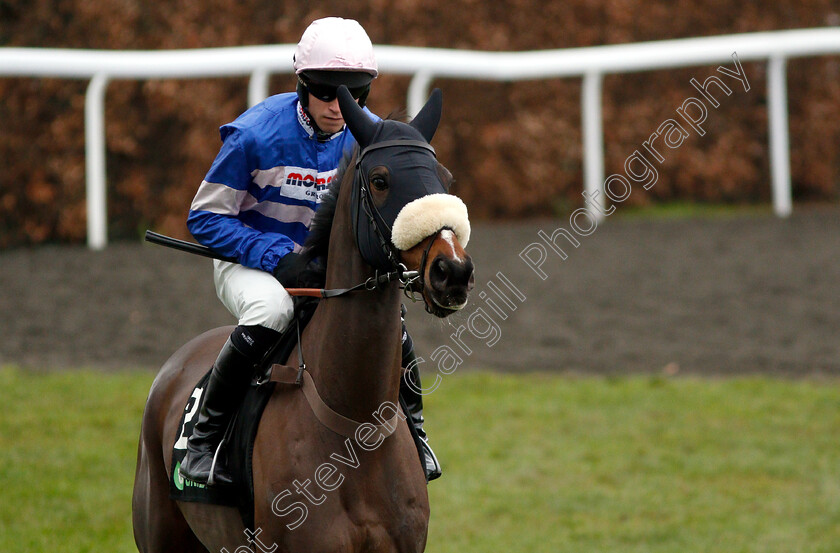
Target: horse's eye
x,y
379,182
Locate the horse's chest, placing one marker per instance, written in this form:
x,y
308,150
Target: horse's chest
x,y
322,493
356,521
368,524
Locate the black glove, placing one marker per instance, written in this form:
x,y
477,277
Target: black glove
x,y
287,270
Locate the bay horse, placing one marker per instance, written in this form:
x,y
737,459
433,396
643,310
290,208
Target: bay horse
x,y
389,214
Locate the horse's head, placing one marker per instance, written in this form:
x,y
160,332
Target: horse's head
x,y
403,213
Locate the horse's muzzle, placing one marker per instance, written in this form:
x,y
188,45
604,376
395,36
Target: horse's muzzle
x,y
450,282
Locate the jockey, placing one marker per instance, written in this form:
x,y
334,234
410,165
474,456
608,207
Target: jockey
x,y
256,204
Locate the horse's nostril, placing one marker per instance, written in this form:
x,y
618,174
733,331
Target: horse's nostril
x,y
445,275
439,274
443,267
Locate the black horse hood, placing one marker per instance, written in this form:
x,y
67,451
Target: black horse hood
x,y
405,151
413,169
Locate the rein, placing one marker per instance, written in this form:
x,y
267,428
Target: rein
x,y
376,282
331,419
301,377
408,279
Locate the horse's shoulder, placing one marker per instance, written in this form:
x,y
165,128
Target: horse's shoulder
x,y
184,368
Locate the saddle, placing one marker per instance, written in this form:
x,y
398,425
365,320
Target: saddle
x,y
238,443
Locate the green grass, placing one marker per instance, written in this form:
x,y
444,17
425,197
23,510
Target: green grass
x,y
532,463
636,464
68,444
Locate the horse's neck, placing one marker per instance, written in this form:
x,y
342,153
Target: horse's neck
x,y
356,354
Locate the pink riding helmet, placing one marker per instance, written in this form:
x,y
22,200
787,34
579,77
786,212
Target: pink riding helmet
x,y
335,44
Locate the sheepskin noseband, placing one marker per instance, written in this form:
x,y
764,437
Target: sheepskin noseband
x,y
427,215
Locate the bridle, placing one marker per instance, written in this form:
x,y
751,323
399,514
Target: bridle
x,y
374,238
382,255
362,202
408,289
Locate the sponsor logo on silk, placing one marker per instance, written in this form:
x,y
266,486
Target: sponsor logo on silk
x,y
306,184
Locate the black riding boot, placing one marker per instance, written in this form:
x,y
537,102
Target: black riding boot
x,y
225,389
413,402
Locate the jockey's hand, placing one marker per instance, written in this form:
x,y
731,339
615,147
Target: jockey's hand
x,y
287,270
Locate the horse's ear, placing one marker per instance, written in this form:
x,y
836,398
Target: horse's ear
x,y
427,120
357,120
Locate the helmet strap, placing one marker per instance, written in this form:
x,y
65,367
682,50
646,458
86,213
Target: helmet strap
x,y
320,135
303,94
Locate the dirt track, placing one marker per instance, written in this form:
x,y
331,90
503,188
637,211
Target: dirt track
x,y
743,294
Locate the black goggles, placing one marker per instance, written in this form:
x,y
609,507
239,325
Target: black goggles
x,y
327,93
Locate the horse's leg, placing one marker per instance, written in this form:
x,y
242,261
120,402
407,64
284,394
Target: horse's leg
x,y
162,525
219,527
190,524
159,526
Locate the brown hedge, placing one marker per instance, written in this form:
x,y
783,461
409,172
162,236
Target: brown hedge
x,y
515,148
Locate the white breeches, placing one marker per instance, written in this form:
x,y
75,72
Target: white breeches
x,y
253,297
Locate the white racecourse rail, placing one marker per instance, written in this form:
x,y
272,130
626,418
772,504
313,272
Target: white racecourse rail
x,y
424,64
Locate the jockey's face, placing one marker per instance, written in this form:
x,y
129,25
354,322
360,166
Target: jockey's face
x,y
327,115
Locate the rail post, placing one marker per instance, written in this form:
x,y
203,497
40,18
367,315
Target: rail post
x,y
779,141
95,144
593,143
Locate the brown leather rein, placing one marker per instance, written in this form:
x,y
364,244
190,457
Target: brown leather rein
x,y
302,378
365,431
407,278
